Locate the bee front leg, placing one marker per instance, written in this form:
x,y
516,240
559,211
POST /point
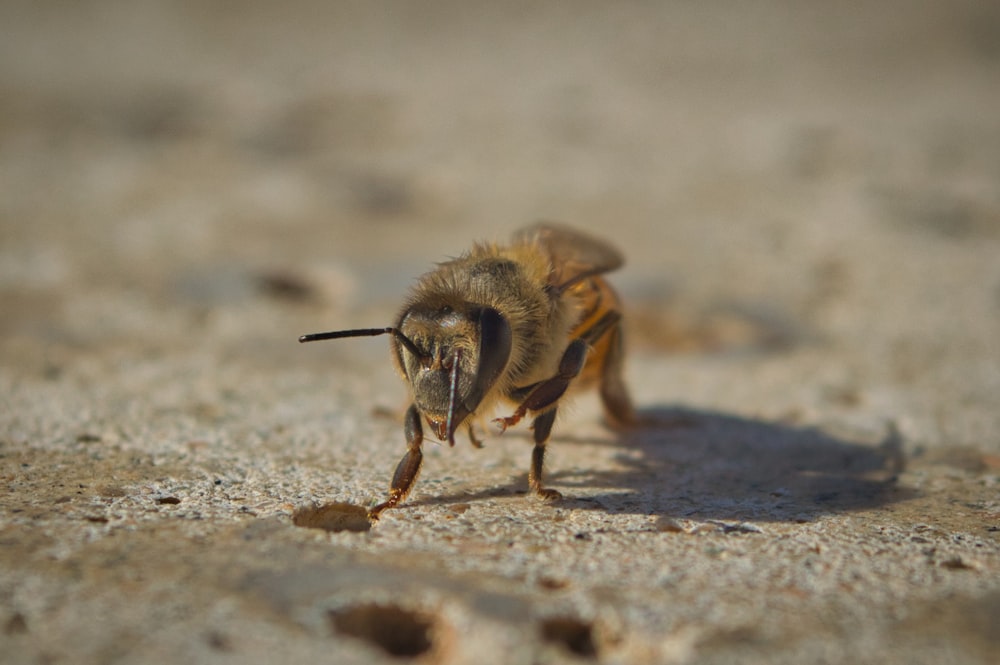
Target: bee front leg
x,y
542,426
549,391
408,467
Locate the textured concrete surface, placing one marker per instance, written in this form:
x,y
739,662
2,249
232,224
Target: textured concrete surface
x,y
808,195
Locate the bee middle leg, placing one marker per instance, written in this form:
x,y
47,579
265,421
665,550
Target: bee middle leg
x,y
546,394
542,426
408,467
543,398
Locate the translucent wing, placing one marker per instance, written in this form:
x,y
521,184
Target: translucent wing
x,y
574,255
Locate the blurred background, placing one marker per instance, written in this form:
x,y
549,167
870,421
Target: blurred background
x,y
782,176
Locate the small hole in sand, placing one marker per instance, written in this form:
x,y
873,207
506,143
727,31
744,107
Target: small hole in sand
x,y
395,630
575,635
333,517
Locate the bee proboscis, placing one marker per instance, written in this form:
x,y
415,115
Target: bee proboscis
x,y
520,324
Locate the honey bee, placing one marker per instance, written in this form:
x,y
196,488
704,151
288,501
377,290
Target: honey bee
x,y
519,324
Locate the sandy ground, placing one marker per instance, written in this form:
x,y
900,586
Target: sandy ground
x,y
808,195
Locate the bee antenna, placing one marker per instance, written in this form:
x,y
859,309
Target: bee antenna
x,y
452,391
365,332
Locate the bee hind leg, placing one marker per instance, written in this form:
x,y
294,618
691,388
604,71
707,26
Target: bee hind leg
x,y
408,468
618,407
473,439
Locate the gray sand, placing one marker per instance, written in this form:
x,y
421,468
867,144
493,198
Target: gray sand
x,y
808,195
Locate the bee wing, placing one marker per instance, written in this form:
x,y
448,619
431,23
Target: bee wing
x,y
574,255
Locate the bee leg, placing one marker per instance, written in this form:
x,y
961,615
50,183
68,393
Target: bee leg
x,y
614,395
549,391
476,442
408,467
542,426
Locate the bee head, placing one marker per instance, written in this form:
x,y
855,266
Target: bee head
x,y
451,357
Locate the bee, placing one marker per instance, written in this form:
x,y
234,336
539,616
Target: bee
x,y
519,324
